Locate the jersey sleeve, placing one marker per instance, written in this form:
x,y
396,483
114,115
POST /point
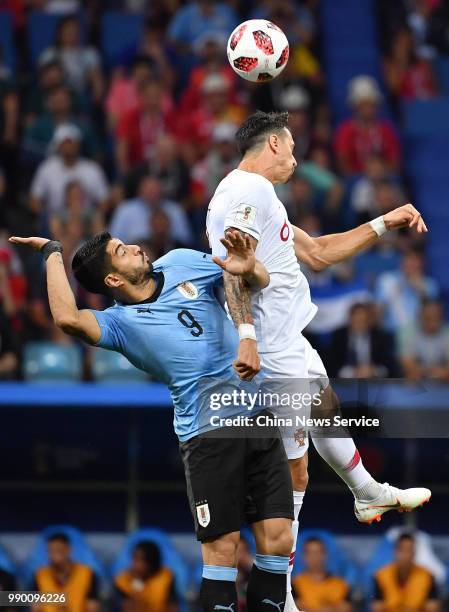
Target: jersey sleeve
x,y
107,321
249,208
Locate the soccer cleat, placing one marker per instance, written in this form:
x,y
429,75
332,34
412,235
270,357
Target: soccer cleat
x,y
391,498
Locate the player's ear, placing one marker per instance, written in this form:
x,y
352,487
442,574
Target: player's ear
x,y
273,142
113,281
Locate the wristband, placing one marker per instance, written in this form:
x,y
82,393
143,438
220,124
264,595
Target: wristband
x,y
51,247
247,331
378,225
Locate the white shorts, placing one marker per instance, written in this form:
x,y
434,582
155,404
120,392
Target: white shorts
x,y
303,366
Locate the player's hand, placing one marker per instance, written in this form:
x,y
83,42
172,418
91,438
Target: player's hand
x,y
241,258
405,216
34,242
247,364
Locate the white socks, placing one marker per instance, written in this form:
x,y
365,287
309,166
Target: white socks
x,y
344,458
298,497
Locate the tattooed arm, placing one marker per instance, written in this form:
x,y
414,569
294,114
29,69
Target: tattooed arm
x,y
65,313
238,298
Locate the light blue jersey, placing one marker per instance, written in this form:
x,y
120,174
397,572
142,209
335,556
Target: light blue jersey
x,y
179,336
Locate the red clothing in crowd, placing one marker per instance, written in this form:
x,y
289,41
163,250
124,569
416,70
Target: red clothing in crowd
x,y
418,82
355,142
141,132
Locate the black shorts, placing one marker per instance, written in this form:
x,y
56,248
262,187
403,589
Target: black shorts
x,y
233,480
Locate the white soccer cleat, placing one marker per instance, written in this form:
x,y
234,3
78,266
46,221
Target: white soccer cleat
x,y
391,498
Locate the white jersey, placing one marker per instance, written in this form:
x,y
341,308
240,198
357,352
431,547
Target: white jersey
x,y
248,202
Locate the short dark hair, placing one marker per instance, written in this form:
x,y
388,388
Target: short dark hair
x,y
405,537
315,540
256,128
151,554
59,537
91,263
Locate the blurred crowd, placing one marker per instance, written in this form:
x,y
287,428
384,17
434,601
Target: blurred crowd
x,y
149,575
139,147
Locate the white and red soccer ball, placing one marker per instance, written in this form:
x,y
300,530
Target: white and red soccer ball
x,y
258,50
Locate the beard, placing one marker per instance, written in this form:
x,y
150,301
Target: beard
x,y
141,275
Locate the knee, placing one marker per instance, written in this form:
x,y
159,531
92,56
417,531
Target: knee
x,y
277,540
300,475
222,551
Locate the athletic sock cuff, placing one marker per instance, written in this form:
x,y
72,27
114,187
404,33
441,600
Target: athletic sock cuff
x,y
219,572
272,563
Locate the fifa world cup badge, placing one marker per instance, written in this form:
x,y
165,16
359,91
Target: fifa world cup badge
x,y
203,514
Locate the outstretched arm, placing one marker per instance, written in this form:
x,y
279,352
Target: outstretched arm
x,y
324,251
241,260
238,299
81,323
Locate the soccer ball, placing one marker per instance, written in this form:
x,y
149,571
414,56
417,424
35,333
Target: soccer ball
x,y
258,50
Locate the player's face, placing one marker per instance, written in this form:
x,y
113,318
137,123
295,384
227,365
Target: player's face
x,y
314,556
58,552
129,261
405,552
286,162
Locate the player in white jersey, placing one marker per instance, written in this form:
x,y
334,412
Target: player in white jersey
x,y
272,320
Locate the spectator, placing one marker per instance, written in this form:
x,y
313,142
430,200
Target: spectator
x,y
13,284
153,46
407,75
363,195
217,107
64,166
361,349
316,589
382,257
403,585
9,345
162,234
125,91
60,110
296,101
147,586
221,159
50,77
365,133
424,349
195,18
168,166
76,220
63,575
131,220
139,129
399,293
82,64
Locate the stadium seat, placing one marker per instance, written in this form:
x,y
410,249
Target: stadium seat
x,y
51,362
6,40
120,33
426,117
41,33
5,562
81,552
170,556
109,366
337,561
442,72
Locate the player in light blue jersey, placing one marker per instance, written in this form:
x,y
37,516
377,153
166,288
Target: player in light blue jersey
x,y
167,321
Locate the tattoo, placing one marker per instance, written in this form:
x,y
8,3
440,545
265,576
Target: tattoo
x,y
238,296
238,299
